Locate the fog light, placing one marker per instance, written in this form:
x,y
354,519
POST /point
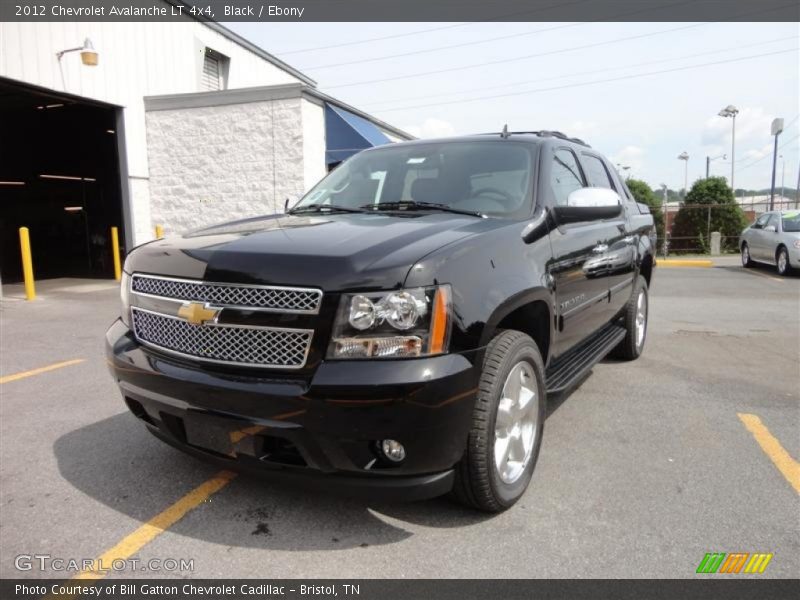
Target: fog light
x,y
393,450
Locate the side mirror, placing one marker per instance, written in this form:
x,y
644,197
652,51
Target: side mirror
x,y
771,228
588,204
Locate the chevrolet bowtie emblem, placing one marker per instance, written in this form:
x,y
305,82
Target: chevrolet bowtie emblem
x,y
197,313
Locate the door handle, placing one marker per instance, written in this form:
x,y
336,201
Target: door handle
x,y
600,248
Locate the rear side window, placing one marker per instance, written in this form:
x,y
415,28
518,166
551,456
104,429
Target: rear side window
x,y
565,176
791,221
596,172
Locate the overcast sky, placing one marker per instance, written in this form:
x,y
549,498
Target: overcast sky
x,y
640,121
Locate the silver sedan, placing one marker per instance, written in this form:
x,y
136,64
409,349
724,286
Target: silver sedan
x,y
774,239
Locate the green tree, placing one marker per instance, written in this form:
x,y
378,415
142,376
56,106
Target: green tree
x,y
709,206
644,194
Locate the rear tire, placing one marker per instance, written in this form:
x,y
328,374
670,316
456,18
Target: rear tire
x,y
634,319
782,262
508,420
746,260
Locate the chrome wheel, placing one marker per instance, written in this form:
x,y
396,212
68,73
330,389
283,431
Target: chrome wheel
x,y
782,261
517,423
745,255
641,318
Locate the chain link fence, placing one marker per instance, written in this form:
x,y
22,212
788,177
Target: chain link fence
x,y
706,220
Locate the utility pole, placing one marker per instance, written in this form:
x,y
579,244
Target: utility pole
x,y
708,162
783,177
665,215
776,129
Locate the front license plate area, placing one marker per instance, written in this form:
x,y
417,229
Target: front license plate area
x,y
208,433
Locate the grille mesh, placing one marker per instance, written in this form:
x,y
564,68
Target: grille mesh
x,y
262,346
273,298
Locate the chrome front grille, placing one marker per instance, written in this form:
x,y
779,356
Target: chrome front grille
x,y
254,297
227,344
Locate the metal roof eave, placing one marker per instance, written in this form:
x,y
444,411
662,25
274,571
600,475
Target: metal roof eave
x,y
315,93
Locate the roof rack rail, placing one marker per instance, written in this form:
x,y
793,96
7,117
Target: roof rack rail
x,y
542,133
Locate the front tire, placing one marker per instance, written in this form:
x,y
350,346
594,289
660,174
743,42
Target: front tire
x,y
784,268
746,260
634,319
507,425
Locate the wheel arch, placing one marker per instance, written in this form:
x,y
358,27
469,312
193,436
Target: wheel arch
x,y
530,312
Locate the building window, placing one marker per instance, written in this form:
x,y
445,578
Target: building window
x,y
212,78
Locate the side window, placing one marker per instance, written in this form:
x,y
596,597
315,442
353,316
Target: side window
x,y
627,192
761,221
773,220
565,176
596,172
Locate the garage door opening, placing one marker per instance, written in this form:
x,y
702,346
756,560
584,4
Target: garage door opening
x,y
60,177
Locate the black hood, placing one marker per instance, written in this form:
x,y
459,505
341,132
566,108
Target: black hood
x,y
333,252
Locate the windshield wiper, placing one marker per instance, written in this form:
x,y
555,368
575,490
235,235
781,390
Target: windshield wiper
x,y
323,207
414,205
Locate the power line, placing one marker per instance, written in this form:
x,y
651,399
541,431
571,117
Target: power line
x,y
580,73
429,30
524,57
746,158
587,83
781,147
374,39
438,48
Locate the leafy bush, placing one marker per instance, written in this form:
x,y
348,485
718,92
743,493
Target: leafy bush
x,y
721,213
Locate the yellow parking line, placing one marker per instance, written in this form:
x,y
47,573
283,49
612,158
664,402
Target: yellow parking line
x,y
132,543
760,274
788,466
40,370
669,262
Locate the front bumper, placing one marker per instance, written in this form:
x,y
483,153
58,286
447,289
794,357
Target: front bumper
x,y
321,431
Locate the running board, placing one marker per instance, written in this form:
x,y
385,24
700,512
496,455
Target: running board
x,y
568,369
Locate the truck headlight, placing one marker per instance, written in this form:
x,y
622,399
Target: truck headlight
x,y
399,324
125,298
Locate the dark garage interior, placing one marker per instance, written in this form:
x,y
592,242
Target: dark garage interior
x,y
60,177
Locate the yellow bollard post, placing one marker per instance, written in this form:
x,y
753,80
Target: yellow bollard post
x,y
159,232
115,251
27,262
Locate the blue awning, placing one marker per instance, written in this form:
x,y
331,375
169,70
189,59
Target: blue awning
x,y
347,133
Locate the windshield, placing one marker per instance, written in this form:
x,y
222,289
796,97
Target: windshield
x,y
492,178
791,221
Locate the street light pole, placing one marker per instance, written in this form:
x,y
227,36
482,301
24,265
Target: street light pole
x,y
684,156
777,128
731,111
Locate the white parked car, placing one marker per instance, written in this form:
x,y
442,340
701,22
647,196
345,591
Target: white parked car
x,y
774,239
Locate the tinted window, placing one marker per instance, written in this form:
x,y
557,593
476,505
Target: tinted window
x,y
489,177
565,176
596,172
791,221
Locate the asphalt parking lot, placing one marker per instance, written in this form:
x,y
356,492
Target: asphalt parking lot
x,y
645,467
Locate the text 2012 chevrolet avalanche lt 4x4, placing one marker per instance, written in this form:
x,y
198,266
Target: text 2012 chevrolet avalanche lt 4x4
x,y
400,328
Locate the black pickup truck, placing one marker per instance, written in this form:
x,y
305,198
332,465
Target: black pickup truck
x,y
399,330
